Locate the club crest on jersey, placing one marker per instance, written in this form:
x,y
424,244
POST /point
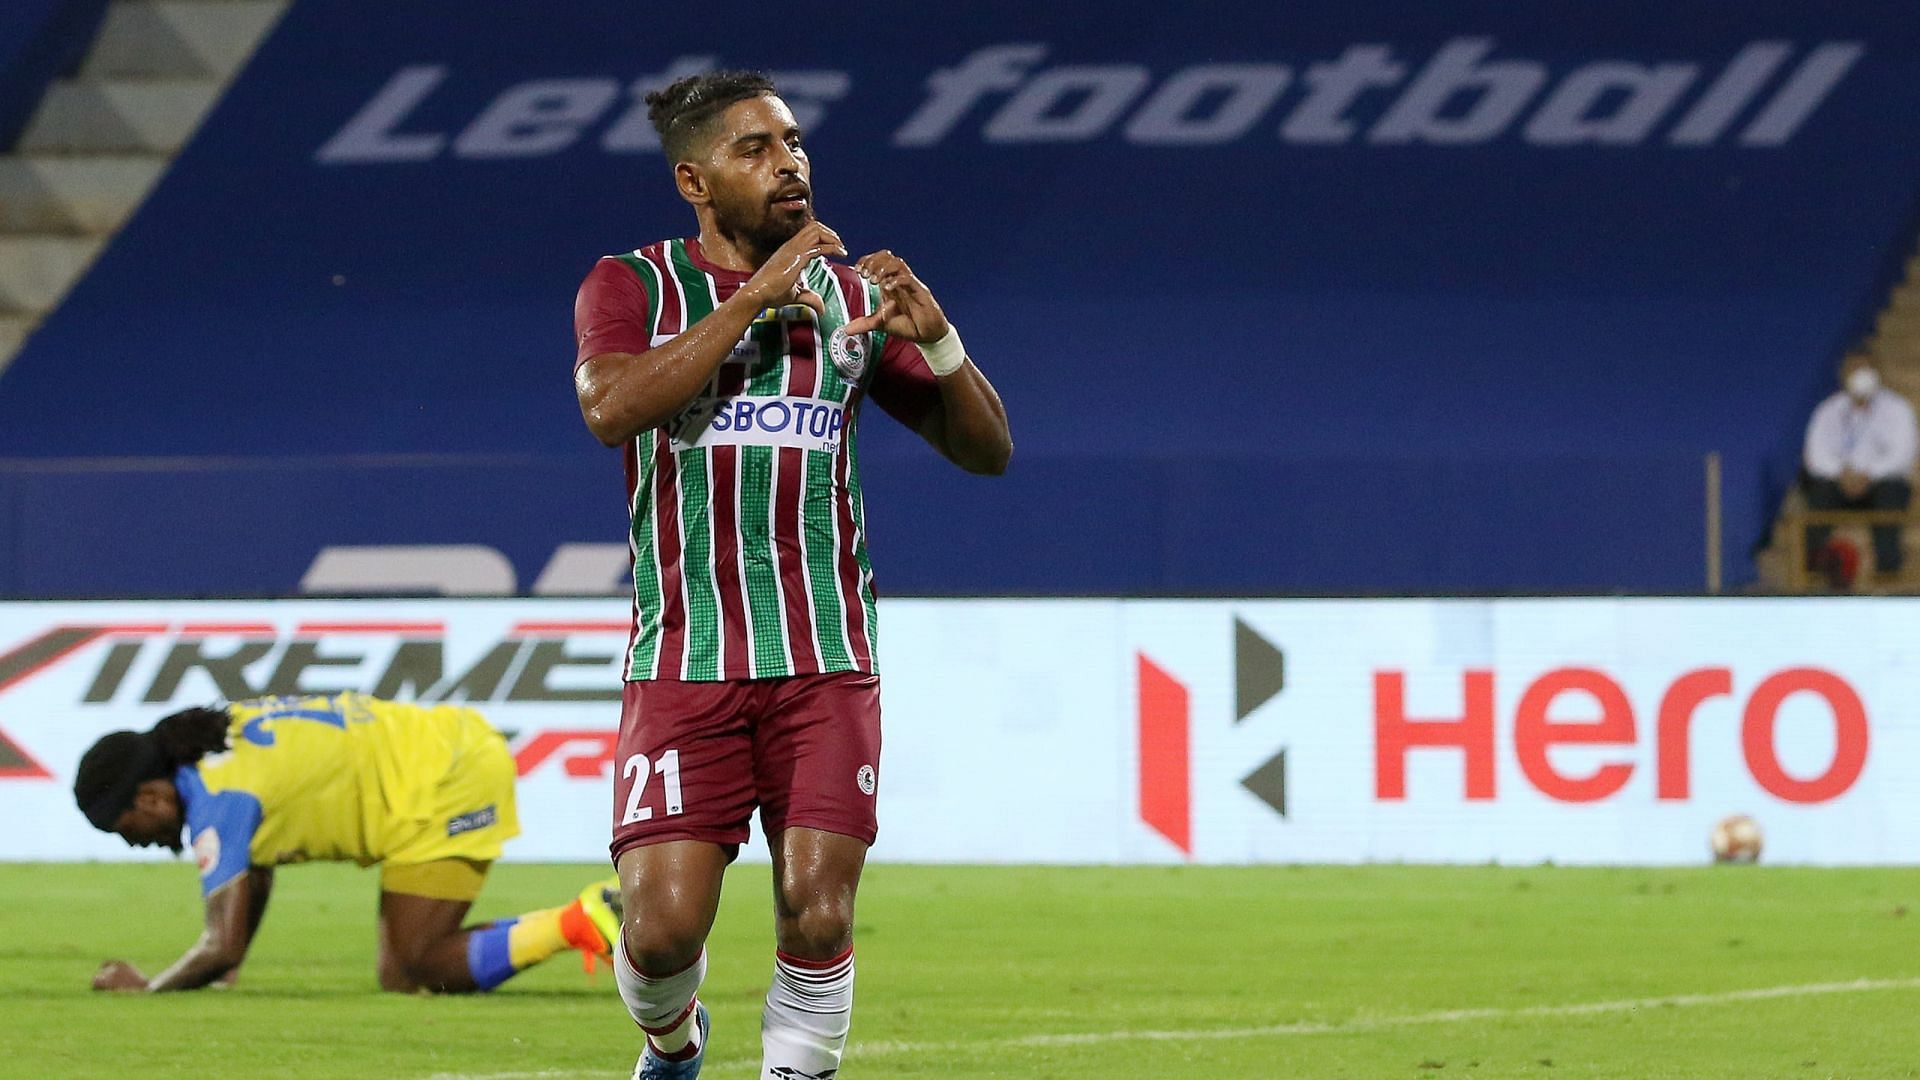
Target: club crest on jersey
x,y
206,850
849,353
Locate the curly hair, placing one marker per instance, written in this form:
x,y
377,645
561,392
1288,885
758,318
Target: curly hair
x,y
114,767
683,111
191,734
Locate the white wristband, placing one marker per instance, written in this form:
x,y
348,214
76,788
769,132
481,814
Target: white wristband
x,y
947,355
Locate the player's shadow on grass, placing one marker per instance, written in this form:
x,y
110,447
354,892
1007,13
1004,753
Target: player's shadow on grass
x,y
311,993
57,952
293,993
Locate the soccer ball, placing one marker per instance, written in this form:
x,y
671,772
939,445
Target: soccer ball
x,y
1736,840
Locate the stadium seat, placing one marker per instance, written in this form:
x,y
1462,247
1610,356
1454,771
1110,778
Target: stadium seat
x,y
1894,345
40,40
90,147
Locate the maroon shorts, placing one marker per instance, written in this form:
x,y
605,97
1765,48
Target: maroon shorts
x,y
695,758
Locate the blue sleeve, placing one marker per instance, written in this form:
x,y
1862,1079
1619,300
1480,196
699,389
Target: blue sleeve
x,y
221,828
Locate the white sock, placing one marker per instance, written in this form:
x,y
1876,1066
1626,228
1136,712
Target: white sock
x,y
809,1009
662,1007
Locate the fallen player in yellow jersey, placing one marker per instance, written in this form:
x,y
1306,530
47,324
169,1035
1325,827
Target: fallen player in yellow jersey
x,y
424,791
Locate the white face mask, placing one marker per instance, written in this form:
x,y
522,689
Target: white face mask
x,y
1863,382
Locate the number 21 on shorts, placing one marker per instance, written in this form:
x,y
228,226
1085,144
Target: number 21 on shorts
x,y
638,770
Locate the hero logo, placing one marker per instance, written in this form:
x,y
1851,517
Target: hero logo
x,y
1537,730
1564,707
1462,95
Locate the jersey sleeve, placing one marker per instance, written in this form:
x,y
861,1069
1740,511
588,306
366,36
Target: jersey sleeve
x,y
903,384
613,312
221,826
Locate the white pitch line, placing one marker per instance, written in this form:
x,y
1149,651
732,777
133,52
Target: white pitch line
x,y
1269,1031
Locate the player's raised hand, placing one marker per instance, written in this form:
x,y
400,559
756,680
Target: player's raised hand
x,y
118,975
907,307
778,281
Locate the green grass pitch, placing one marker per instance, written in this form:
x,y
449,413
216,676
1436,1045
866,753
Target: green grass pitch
x,y
1046,972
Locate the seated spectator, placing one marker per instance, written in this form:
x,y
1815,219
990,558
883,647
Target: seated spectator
x,y
1860,453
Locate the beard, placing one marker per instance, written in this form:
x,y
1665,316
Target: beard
x,y
762,227
774,230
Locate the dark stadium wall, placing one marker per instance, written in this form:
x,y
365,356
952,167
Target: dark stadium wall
x,y
40,40
1319,297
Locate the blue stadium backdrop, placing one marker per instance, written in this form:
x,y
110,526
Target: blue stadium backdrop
x,y
1323,296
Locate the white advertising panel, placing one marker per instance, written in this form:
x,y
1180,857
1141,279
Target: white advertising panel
x,y
1585,731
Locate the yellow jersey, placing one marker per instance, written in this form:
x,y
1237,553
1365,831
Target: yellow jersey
x,y
347,777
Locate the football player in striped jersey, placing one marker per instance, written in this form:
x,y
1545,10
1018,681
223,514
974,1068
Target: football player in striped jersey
x,y
729,368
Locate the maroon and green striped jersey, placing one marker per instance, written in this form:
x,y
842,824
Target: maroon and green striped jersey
x,y
748,530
